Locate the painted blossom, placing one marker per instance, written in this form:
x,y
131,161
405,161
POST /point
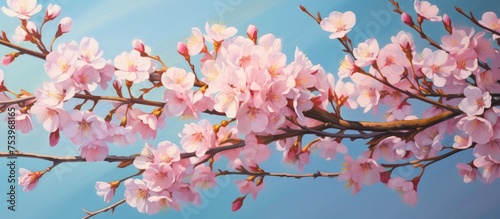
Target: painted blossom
x,y
366,52
196,42
197,138
23,9
132,67
490,167
85,127
28,180
219,32
408,189
475,101
106,190
167,153
94,151
177,79
159,176
468,172
490,20
438,67
338,23
426,10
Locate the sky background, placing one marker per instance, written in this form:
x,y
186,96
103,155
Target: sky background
x,y
68,188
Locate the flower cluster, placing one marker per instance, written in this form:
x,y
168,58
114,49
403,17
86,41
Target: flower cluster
x,y
265,98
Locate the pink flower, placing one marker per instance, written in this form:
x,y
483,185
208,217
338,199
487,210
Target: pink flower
x,y
23,122
492,149
456,43
490,166
475,101
426,10
107,190
328,148
23,9
196,42
479,129
167,153
61,64
447,23
86,78
20,35
490,20
162,201
52,12
28,180
391,149
53,95
468,172
96,150
197,137
177,79
438,67
120,135
251,119
429,141
360,171
89,54
203,177
132,67
137,195
462,141
408,189
346,67
145,158
366,52
392,62
52,118
147,125
249,187
159,176
64,26
219,32
338,23
85,127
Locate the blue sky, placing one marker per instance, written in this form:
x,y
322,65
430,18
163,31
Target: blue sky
x,y
63,192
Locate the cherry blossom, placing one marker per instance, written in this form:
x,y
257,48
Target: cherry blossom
x,y
52,12
23,9
438,67
489,19
475,101
94,151
107,190
406,188
427,11
132,67
366,52
468,172
490,167
338,23
196,42
28,180
219,32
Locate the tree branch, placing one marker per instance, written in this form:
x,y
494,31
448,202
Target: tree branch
x,y
287,175
111,207
23,50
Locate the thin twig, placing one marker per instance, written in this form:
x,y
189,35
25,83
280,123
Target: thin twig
x,y
111,207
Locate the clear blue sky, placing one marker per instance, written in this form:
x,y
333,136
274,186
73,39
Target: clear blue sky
x,y
63,192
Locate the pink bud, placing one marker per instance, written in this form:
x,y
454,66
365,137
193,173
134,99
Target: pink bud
x,y
54,138
138,45
182,49
447,23
64,26
28,180
237,203
9,58
385,176
252,32
407,19
52,12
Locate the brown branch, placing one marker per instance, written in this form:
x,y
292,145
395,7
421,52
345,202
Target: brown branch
x,y
23,50
111,207
432,159
287,175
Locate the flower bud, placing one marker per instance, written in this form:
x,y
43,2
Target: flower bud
x,y
447,23
237,203
64,26
407,19
139,46
252,33
9,58
52,12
